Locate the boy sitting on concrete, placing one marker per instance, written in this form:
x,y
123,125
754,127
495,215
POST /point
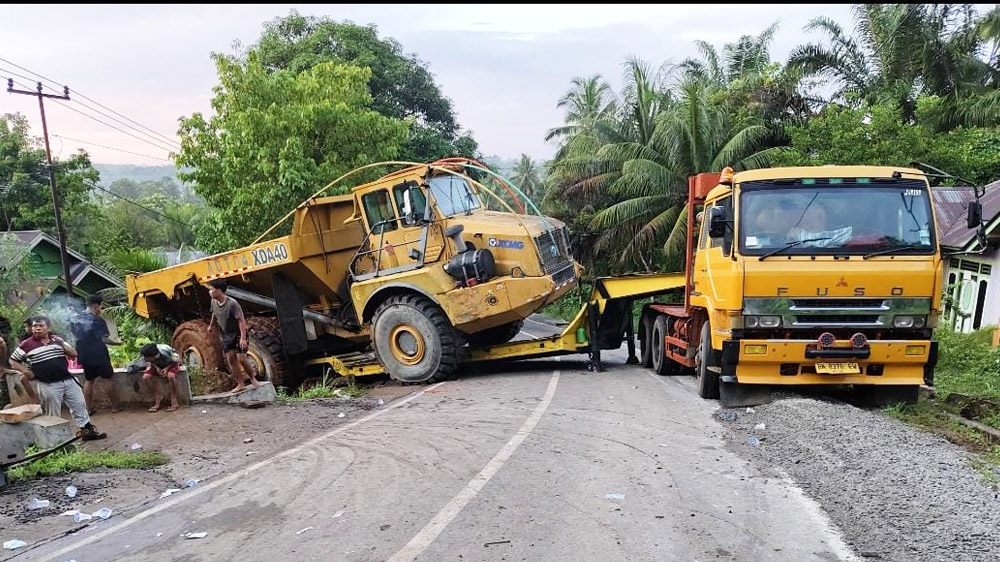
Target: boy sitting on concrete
x,y
161,362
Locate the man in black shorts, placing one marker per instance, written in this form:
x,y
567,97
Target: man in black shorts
x,y
92,340
227,314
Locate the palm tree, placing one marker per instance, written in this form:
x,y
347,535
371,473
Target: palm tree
x,y
527,176
587,102
648,180
747,57
899,52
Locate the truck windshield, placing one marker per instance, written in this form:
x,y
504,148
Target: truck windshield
x,y
804,218
453,195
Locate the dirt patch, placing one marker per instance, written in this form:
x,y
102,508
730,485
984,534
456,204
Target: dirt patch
x,y
202,441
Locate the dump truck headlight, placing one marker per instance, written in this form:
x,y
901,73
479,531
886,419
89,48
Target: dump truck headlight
x,y
909,321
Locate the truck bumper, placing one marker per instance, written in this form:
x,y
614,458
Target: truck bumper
x,y
786,362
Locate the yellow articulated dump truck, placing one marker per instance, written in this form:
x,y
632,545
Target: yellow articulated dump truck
x,y
408,275
803,276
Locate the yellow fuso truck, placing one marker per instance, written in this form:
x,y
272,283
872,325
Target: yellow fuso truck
x,y
409,275
805,275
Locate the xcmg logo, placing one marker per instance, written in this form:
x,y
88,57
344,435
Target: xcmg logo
x,y
500,243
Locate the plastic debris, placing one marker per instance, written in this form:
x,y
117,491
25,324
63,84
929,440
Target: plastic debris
x,y
614,496
248,440
729,416
338,514
70,512
80,517
195,535
760,427
381,402
14,543
38,504
71,491
191,482
750,410
753,441
98,500
169,492
159,534
135,446
102,513
299,532
251,453
204,411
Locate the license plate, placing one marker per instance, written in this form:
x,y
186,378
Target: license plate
x,y
838,368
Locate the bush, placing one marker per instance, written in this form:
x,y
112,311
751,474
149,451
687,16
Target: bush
x,y
966,364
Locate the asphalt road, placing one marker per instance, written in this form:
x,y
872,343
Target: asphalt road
x,y
542,461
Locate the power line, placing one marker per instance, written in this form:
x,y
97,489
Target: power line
x,y
91,100
111,148
102,114
12,73
117,129
108,191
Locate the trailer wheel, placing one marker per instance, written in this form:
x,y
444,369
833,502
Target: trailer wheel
x,y
414,341
708,381
646,340
266,351
198,346
496,335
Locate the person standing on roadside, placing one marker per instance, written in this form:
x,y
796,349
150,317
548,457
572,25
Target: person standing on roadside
x,y
42,357
92,341
227,314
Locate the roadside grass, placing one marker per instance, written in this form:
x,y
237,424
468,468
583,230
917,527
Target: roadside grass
x,y
967,366
71,459
324,389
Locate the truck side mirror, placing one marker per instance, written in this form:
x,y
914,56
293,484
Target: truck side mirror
x,y
975,217
717,222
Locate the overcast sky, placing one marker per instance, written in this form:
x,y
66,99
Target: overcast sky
x,y
503,66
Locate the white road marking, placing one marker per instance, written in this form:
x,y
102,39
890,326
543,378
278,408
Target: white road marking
x,y
426,536
227,479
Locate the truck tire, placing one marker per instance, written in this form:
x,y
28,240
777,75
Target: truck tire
x,y
414,341
198,346
496,335
707,381
662,364
646,340
266,351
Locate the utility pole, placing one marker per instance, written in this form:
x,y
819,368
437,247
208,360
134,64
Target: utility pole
x,y
63,254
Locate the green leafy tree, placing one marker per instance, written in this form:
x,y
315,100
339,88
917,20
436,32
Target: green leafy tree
x,y
25,194
274,139
400,85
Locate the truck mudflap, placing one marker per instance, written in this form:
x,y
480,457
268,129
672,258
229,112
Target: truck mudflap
x,y
792,362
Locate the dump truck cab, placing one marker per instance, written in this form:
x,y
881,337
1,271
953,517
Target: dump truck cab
x,y
412,267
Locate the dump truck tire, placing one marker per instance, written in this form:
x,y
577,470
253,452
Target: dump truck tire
x,y
496,335
707,381
267,352
646,340
198,346
414,341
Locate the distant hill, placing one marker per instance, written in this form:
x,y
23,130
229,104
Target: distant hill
x,y
111,173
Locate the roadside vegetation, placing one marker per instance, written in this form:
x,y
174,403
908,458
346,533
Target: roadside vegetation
x,y
71,459
327,387
966,384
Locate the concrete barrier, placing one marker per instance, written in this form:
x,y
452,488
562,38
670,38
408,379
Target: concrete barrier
x,y
43,431
263,393
132,390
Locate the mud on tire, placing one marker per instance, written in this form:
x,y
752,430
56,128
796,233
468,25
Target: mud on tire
x,y
198,346
414,341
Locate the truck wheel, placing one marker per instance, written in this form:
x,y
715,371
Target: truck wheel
x,y
646,340
708,381
662,364
198,346
496,335
414,341
266,351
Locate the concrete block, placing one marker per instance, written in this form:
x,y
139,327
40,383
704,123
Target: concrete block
x,y
44,432
263,393
133,391
15,383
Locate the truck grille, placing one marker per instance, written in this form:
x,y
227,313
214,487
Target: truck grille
x,y
553,248
839,304
839,319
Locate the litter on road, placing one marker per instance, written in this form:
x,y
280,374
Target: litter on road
x,y
299,532
248,440
729,416
191,482
135,446
38,504
71,491
760,427
14,544
80,517
102,513
614,496
338,514
753,441
70,512
195,535
169,492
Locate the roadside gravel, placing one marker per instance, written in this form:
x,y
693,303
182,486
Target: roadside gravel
x,y
897,493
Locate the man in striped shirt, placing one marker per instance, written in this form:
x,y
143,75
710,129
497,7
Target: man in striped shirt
x,y
42,357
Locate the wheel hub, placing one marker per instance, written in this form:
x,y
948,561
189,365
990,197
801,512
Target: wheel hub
x,y
407,344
